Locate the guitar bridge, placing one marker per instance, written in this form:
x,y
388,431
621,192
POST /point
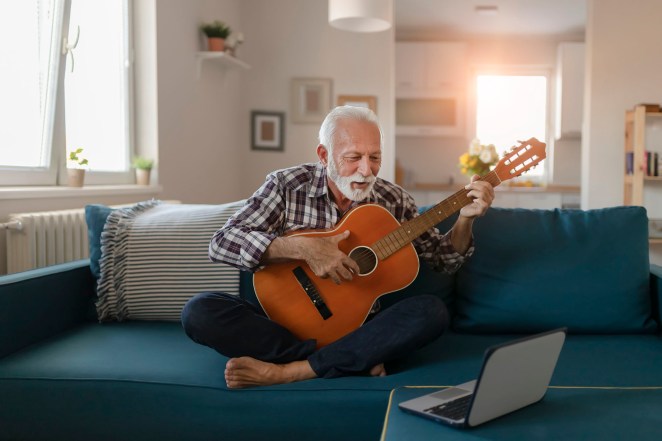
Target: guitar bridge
x,y
312,292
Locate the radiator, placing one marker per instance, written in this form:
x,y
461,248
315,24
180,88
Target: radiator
x,y
36,240
46,238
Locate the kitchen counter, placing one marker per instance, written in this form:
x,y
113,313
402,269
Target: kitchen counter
x,y
507,196
424,186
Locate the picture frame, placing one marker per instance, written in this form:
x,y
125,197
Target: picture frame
x,y
310,99
369,101
267,130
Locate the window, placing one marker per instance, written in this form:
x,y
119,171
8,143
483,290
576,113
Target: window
x,y
66,85
511,108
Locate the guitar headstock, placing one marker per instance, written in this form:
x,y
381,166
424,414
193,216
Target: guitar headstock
x,y
521,158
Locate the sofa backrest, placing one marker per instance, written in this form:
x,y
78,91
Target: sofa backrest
x,y
534,270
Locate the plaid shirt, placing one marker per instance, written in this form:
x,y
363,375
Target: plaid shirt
x,y
298,198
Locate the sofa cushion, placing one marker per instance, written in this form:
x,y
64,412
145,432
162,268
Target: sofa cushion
x,y
155,257
148,380
535,270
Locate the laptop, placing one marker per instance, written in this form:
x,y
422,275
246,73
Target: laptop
x,y
514,375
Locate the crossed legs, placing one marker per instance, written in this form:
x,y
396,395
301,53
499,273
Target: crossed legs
x,y
263,353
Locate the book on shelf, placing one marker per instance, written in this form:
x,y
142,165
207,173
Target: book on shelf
x,y
652,163
629,163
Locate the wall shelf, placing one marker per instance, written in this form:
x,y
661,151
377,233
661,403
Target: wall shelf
x,y
219,57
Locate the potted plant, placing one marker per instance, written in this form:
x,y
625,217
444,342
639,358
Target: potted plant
x,y
143,168
216,33
75,170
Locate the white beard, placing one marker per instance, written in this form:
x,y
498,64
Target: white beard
x,y
344,183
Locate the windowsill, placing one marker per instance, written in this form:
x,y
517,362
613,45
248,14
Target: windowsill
x,y
66,192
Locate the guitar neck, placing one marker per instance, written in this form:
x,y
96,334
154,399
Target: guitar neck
x,y
415,227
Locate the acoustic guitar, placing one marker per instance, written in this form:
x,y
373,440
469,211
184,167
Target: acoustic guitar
x,y
315,308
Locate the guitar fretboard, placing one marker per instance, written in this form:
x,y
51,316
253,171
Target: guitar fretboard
x,y
413,228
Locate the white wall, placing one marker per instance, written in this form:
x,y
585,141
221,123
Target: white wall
x,y
288,39
199,143
204,124
624,68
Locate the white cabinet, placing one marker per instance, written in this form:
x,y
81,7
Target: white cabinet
x,y
430,88
538,200
569,90
427,197
429,69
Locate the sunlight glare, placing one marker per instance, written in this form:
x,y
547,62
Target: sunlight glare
x,y
511,108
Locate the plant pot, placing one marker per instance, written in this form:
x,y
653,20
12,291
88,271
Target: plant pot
x,y
142,176
215,44
76,177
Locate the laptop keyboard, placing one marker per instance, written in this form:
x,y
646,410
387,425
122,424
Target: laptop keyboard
x,y
453,410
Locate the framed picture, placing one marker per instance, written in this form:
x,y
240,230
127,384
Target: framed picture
x,y
369,101
310,99
267,130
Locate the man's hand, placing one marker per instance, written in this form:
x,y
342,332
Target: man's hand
x,y
326,260
320,253
482,194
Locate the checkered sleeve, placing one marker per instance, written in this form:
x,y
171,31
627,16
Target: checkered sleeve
x,y
436,248
248,233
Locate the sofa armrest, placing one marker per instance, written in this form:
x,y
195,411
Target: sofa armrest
x,y
40,303
656,292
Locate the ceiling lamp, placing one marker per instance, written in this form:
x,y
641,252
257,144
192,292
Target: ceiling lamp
x,y
361,15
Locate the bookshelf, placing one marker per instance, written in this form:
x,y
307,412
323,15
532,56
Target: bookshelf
x,y
642,183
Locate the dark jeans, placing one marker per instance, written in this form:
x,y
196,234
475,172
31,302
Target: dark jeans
x,y
235,328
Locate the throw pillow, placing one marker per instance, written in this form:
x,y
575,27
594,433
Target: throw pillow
x,y
535,270
154,257
95,217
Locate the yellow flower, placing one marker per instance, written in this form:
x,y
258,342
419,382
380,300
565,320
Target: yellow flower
x,y
479,159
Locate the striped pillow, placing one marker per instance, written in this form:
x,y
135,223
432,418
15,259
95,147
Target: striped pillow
x,y
154,258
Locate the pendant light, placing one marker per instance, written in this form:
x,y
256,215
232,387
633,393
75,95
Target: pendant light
x,y
361,15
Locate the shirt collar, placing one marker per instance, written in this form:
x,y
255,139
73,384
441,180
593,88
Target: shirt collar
x,y
318,185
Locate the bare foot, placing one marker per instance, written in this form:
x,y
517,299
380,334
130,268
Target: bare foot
x,y
248,372
378,371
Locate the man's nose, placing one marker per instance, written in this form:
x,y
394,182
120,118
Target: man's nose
x,y
364,166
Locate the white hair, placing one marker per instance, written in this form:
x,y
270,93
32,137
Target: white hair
x,y
330,124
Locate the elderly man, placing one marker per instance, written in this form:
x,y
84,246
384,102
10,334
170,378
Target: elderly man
x,y
316,196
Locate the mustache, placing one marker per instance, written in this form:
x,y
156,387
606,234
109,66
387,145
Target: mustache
x,y
357,177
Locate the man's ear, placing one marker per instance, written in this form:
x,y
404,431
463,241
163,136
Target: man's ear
x,y
323,154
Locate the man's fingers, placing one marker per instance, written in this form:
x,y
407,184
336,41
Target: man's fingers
x,y
351,265
335,278
342,236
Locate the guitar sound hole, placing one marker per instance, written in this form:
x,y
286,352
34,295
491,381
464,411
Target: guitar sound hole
x,y
365,258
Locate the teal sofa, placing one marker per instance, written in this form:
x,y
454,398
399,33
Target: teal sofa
x,y
65,376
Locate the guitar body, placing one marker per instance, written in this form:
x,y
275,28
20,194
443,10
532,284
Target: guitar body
x,y
284,299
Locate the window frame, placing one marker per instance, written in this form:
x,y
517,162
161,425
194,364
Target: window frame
x,y
55,174
518,70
